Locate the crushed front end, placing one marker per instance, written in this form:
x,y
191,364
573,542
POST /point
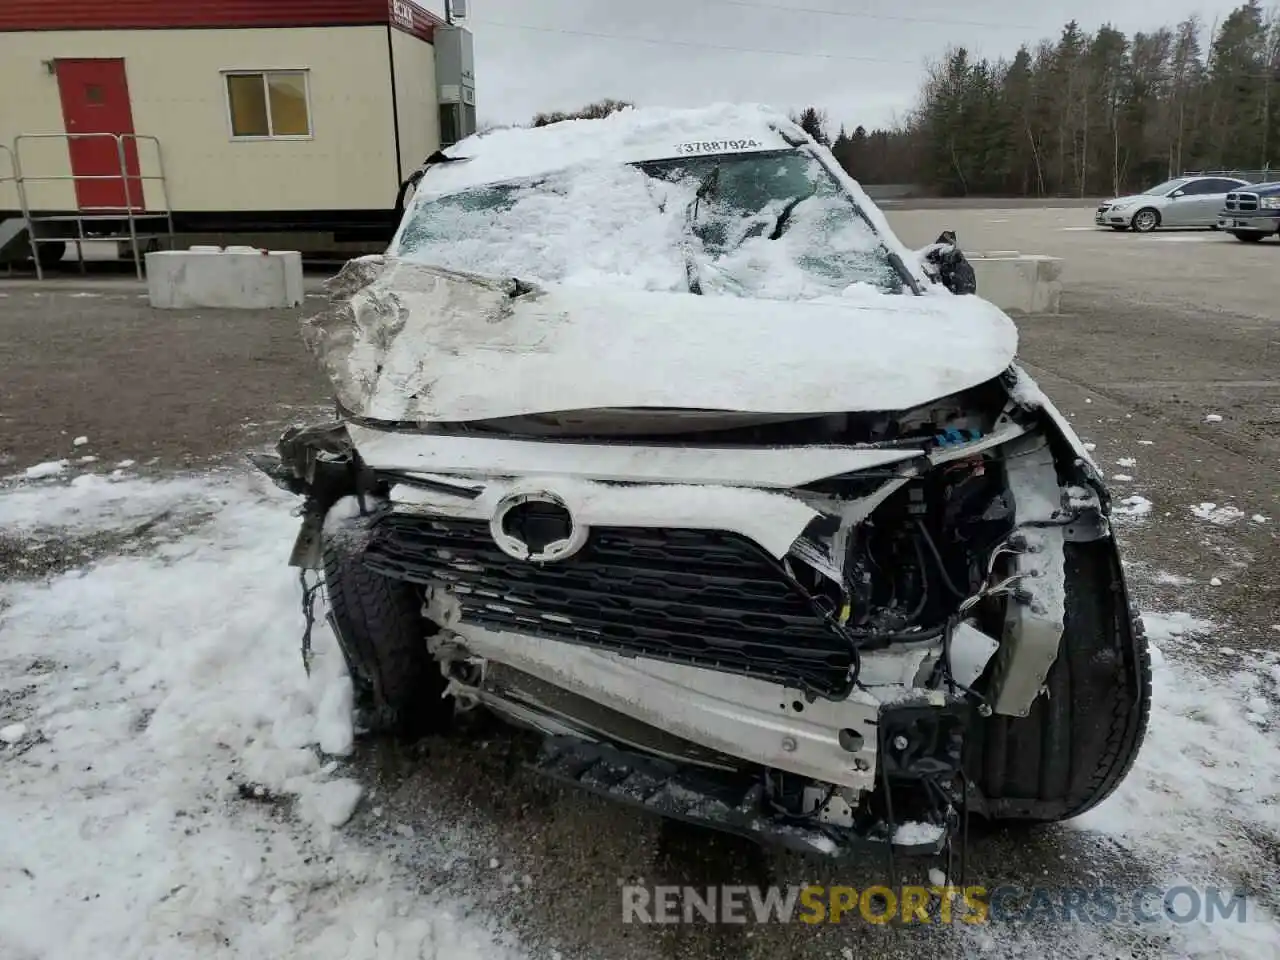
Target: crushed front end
x,y
788,642
675,455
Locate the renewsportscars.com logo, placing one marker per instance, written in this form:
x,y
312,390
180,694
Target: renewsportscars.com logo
x,y
930,905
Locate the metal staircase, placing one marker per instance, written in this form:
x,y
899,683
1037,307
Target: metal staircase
x,y
133,225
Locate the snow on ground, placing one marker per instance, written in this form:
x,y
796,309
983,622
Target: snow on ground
x,y
167,789
92,503
1223,516
163,794
1200,804
1132,507
42,470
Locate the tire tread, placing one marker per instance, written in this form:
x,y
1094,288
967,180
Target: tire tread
x,y
1082,736
380,627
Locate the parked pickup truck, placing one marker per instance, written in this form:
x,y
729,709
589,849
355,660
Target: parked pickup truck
x,y
1252,213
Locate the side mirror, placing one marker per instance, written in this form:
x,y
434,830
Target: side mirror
x,y
954,270
1177,193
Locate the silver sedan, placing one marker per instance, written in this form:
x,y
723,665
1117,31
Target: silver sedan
x,y
1182,202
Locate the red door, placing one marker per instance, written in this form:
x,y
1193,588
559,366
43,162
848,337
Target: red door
x,y
95,99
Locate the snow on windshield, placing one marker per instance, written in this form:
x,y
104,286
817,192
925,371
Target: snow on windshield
x,y
762,225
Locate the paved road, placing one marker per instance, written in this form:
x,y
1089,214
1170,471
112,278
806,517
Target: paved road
x,y
1156,333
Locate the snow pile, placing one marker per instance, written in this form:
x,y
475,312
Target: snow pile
x,y
1175,626
1131,507
1223,516
42,470
623,227
150,804
421,343
913,832
587,198
628,136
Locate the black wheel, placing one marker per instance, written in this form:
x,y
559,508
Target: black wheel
x,y
1248,236
379,624
1083,734
1146,220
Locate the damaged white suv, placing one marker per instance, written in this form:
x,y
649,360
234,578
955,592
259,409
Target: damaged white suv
x,y
652,437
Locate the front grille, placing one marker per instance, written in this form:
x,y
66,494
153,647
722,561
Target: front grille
x,y
1242,201
699,597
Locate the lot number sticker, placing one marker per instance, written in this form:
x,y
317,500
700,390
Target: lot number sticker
x,y
716,146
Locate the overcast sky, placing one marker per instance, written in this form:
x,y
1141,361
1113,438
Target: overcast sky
x,y
861,60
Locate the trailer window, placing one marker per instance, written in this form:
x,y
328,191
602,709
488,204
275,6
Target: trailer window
x,y
268,104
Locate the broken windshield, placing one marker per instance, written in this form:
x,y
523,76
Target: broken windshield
x,y
771,225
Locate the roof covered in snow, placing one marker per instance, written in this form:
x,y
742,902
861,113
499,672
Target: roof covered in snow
x,y
629,136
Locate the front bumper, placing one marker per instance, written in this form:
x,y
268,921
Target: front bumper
x,y
1110,217
676,607
731,803
1246,221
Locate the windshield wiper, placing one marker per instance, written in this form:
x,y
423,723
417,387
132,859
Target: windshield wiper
x,y
784,218
706,188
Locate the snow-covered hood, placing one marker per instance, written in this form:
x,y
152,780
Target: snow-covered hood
x,y
409,342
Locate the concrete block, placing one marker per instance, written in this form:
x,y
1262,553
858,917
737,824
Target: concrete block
x,y
234,278
1019,282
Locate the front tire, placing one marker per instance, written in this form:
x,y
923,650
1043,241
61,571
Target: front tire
x,y
399,688
1146,220
1247,236
1084,732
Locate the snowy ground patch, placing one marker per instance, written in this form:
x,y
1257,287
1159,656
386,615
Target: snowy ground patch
x,y
168,787
1132,507
1199,805
162,792
1223,516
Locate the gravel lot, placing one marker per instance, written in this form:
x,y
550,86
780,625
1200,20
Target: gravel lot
x,y
1157,333
93,359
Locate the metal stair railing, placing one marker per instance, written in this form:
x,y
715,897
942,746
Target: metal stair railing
x,y
131,213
